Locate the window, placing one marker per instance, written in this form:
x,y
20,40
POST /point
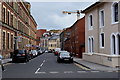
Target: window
x,y
115,44
11,41
11,20
118,44
3,40
4,14
102,40
90,22
115,12
91,45
101,15
8,17
8,40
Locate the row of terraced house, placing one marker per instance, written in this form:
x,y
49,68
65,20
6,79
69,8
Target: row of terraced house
x,y
101,34
17,27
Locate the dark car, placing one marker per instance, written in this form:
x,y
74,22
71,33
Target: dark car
x,y
50,51
64,56
20,55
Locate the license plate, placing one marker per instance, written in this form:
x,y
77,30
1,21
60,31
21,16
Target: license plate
x,y
66,59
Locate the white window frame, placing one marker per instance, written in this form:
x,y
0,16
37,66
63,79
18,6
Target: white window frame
x,y
101,40
116,44
89,26
100,19
90,44
112,13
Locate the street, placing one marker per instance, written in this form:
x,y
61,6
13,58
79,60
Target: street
x,y
46,66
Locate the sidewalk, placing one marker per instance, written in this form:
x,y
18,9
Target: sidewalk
x,y
95,66
4,61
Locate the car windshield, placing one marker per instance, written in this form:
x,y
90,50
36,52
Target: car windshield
x,y
66,54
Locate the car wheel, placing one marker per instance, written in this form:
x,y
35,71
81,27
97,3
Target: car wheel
x,y
58,61
71,60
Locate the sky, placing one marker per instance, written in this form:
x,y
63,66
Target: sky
x,y
48,15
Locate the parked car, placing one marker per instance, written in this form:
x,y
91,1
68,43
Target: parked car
x,y
34,52
64,56
20,55
39,52
46,51
31,55
50,51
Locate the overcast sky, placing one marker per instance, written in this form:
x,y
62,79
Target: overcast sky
x,y
48,15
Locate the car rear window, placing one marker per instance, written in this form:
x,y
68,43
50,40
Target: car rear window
x,y
65,54
19,51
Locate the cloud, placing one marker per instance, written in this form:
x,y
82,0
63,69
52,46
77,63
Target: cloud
x,y
62,0
48,15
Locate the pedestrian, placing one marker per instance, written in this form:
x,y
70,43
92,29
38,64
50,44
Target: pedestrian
x,y
1,63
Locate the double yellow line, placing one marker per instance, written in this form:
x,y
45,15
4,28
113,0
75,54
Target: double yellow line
x,y
80,66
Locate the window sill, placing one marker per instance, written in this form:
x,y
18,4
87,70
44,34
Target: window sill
x,y
102,47
101,27
115,22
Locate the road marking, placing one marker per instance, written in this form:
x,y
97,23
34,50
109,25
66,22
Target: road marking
x,y
41,65
54,72
95,71
82,71
82,67
37,71
43,61
68,71
41,73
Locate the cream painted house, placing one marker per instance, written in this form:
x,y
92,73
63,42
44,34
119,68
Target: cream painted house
x,y
53,42
102,33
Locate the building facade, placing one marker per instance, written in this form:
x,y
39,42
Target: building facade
x,y
72,39
54,42
50,39
102,35
39,34
17,27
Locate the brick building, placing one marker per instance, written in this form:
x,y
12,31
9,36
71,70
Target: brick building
x,y
39,34
72,39
17,27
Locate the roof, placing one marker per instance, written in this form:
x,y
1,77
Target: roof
x,y
93,5
54,37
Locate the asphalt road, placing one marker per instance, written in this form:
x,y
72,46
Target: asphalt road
x,y
46,66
